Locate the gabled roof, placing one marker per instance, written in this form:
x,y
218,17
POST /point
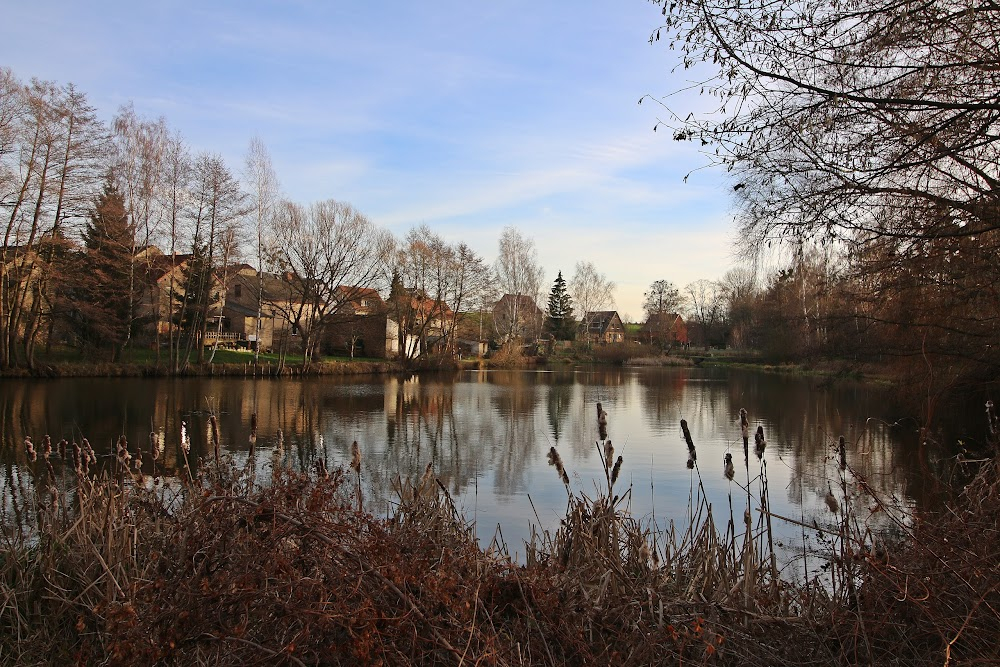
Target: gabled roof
x,y
662,321
521,302
598,321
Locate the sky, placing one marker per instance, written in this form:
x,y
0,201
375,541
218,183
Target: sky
x,y
464,116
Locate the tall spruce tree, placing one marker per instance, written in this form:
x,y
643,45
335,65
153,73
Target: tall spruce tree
x,y
559,319
105,294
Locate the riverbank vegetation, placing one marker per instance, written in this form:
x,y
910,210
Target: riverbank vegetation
x,y
245,560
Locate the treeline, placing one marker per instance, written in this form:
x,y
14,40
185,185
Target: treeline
x,y
95,215
864,140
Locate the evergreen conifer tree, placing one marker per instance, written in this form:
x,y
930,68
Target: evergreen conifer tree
x,y
106,291
559,319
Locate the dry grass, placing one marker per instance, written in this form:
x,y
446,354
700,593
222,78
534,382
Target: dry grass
x,y
124,568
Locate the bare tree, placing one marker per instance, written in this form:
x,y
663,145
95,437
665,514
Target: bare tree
x,y
662,298
51,159
174,197
139,146
433,282
591,289
869,127
329,252
217,206
705,308
264,192
518,274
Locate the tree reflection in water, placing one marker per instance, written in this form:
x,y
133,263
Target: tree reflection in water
x,y
486,433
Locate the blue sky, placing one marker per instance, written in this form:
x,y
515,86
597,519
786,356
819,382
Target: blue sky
x,y
464,116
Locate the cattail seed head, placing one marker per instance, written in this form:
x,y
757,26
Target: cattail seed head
x,y
556,461
609,453
617,469
154,445
687,435
185,440
213,423
61,447
29,449
831,501
46,447
428,476
759,443
122,450
730,469
842,453
355,457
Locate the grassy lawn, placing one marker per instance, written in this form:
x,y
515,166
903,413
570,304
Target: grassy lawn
x,y
62,355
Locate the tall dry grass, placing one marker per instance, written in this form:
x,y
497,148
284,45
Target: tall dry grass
x,y
118,564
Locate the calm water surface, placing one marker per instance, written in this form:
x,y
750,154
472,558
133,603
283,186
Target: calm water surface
x,y
487,434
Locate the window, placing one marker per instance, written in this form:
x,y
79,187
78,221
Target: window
x,y
238,291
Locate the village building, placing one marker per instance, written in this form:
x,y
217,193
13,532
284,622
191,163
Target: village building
x,y
603,326
665,329
517,316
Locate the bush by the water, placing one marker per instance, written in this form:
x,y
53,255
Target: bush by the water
x,y
125,568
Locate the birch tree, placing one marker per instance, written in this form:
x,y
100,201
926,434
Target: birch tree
x,y
517,273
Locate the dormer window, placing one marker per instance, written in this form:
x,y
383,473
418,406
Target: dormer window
x,y
238,291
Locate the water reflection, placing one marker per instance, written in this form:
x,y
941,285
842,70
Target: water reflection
x,y
487,432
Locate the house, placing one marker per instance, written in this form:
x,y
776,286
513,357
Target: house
x,y
603,326
250,294
361,324
665,329
166,279
22,288
517,316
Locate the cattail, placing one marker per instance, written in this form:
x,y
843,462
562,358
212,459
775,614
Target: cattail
x,y
213,423
46,447
122,450
154,445
831,500
690,461
730,469
90,456
77,458
842,453
280,444
644,554
759,443
687,435
609,453
745,431
556,460
617,469
428,476
355,457
991,418
62,448
29,449
185,441
600,410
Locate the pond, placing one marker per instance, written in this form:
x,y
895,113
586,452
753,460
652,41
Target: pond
x,y
487,435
